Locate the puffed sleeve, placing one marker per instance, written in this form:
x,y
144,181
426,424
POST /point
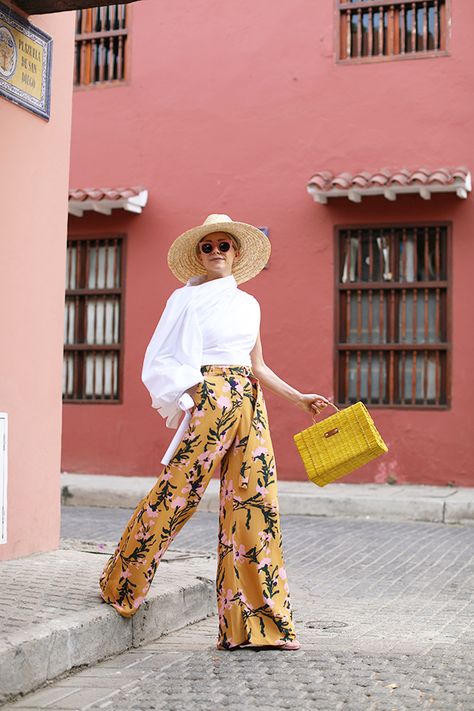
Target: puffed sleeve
x,y
173,358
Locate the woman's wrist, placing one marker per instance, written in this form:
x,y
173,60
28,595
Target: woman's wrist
x,y
273,382
304,402
292,395
297,398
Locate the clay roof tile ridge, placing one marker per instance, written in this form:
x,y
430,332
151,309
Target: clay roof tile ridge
x,y
342,180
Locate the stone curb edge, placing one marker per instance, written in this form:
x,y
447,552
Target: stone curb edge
x,y
28,662
424,509
435,505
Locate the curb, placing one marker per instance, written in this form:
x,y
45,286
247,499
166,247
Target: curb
x,y
41,652
412,502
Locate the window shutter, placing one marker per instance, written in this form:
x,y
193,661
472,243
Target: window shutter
x,y
93,320
391,29
393,340
100,48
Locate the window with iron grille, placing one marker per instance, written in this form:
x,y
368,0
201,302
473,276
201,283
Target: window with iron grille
x,y
392,312
100,48
93,320
391,29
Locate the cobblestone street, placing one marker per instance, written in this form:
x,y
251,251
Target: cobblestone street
x,y
384,612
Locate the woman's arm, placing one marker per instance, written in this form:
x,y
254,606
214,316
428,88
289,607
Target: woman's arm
x,y
312,403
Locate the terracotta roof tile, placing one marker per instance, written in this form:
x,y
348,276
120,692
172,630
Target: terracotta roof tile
x,y
343,180
399,177
81,194
105,200
327,184
361,179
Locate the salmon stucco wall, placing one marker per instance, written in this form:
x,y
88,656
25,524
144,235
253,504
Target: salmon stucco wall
x,y
33,206
231,107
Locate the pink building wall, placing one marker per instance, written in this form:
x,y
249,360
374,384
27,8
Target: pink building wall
x,y
231,107
33,205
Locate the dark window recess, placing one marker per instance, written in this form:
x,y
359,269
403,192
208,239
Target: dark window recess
x,y
374,29
92,323
100,48
392,342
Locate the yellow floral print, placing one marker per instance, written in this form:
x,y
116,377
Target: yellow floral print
x,y
228,427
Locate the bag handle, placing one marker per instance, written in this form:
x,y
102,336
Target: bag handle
x,y
314,416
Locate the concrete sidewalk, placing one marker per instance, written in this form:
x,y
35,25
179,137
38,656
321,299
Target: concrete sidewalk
x,y
386,502
53,619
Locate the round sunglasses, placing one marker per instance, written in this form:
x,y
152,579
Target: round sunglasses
x,y
207,247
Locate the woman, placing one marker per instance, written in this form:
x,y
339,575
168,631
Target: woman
x,y
205,358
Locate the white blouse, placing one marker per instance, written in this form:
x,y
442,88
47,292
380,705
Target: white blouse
x,y
204,323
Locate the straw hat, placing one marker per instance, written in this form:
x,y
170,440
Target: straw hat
x,y
254,249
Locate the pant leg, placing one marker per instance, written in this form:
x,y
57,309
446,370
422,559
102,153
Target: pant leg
x,y
252,587
161,514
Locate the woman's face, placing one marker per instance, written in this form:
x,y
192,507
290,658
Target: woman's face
x,y
217,253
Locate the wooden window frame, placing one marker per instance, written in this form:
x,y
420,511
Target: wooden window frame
x,y
428,54
339,346
114,83
90,347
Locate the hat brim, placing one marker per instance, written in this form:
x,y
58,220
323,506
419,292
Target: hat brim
x,y
254,250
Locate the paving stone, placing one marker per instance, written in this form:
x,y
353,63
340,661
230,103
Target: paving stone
x,y
61,622
384,612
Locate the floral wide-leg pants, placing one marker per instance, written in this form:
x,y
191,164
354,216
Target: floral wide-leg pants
x,y
228,427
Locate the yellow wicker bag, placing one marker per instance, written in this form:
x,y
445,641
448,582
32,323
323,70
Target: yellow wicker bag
x,y
339,444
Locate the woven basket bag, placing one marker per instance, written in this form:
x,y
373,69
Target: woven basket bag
x,y
339,444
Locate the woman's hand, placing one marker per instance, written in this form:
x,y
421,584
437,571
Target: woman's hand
x,y
313,403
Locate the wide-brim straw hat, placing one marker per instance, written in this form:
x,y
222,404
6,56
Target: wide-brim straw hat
x,y
254,248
